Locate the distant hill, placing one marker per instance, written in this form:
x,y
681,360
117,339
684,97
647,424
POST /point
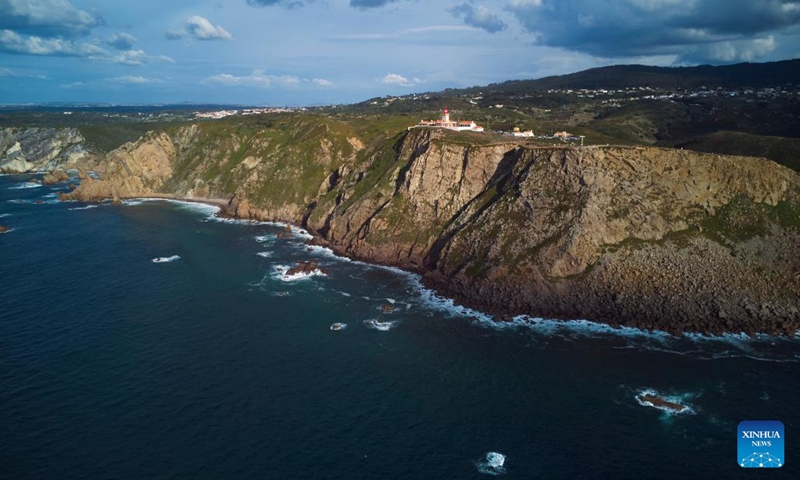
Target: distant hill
x,y
621,76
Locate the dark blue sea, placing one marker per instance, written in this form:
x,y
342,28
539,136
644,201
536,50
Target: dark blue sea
x,y
214,365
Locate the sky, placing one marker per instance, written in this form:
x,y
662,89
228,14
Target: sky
x,y
311,52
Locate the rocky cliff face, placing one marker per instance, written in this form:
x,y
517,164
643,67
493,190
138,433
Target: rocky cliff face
x,y
40,149
647,237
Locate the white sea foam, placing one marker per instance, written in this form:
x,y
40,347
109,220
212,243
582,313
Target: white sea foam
x,y
85,207
265,238
327,252
264,254
8,231
338,326
380,326
3,215
25,185
492,464
166,259
280,274
678,399
299,232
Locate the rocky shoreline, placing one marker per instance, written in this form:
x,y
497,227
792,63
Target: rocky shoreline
x,y
650,238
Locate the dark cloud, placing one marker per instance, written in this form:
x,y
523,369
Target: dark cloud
x,y
367,4
479,16
46,18
280,3
719,30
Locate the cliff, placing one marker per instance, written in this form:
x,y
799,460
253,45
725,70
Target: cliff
x,y
25,150
646,237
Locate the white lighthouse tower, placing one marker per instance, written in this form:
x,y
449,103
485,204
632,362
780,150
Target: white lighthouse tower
x,y
446,116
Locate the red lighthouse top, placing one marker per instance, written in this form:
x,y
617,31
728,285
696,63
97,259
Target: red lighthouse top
x,y
445,110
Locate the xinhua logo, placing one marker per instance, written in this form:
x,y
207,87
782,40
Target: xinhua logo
x,y
761,444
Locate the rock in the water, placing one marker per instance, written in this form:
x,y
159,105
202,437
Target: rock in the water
x,y
4,229
306,268
56,176
387,308
661,403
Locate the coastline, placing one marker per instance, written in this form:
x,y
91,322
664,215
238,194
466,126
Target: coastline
x,y
434,282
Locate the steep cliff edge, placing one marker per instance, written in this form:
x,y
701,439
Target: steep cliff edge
x,y
41,149
646,237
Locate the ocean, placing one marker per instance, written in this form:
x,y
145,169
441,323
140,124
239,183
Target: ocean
x,y
211,363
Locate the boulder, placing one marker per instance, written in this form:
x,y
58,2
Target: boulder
x,y
54,177
306,267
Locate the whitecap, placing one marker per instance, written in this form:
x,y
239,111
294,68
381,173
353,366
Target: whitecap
x,y
338,326
391,300
493,463
264,254
380,326
86,207
166,259
3,215
25,185
281,274
264,238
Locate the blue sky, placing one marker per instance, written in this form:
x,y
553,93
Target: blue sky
x,y
303,52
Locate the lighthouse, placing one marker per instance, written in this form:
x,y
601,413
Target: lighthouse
x,y
446,116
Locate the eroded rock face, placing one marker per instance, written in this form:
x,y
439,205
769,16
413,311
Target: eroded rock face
x,y
25,150
54,177
648,237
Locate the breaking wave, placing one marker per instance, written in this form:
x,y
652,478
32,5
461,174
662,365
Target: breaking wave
x,y
25,185
281,274
166,259
86,207
493,463
380,326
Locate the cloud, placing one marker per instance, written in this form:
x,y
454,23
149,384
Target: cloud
x,y
121,41
135,58
133,80
281,3
126,80
7,72
199,28
731,51
46,18
322,82
396,79
12,42
256,79
479,16
366,4
624,28
410,33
